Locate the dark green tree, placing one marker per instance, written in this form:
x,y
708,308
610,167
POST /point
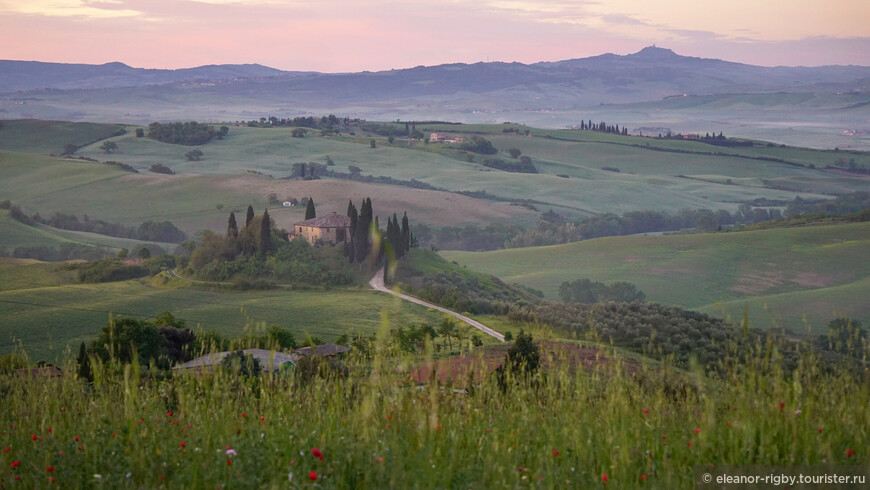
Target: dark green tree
x,y
109,146
241,364
524,355
265,241
406,233
144,253
310,213
372,143
121,337
249,216
232,228
140,133
84,364
515,152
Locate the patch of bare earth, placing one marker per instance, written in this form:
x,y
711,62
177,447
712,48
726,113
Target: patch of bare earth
x,y
757,282
812,280
435,207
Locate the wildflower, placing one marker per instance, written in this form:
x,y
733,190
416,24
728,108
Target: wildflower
x,y
7,449
689,443
697,431
850,453
798,412
169,413
34,437
81,448
317,454
49,430
438,426
229,462
728,424
49,469
645,411
182,444
664,437
16,464
244,414
604,478
781,406
820,430
643,477
521,469
77,438
231,452
262,419
555,452
380,459
53,479
312,476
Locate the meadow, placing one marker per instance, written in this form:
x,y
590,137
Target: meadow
x,y
608,421
42,308
805,275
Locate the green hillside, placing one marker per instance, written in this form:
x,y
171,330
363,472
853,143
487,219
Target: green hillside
x,y
14,234
655,174
812,270
49,319
36,136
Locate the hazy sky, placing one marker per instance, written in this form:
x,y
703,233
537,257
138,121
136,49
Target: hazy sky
x,y
351,35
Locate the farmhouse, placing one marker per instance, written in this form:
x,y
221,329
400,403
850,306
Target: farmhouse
x,y
269,361
332,228
445,138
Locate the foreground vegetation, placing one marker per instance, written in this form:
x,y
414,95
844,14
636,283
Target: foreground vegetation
x,y
612,419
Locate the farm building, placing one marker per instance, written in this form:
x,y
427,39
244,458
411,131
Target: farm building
x,y
332,228
445,138
269,360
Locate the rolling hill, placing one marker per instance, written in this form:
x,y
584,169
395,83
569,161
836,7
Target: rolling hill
x,y
817,271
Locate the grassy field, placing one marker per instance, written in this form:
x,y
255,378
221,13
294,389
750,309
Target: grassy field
x,y
14,234
40,306
597,419
817,270
693,178
48,185
35,136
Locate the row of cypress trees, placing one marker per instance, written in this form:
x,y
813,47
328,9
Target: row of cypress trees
x,y
255,237
363,224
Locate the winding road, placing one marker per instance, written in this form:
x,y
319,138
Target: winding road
x,y
377,283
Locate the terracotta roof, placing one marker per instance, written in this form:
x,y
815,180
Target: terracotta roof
x,y
332,220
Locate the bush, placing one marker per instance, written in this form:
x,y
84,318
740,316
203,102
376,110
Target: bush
x,y
479,144
159,168
108,270
241,364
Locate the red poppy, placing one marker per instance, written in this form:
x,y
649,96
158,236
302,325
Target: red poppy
x,y
689,443
820,430
850,453
521,469
697,431
244,414
53,479
312,475
34,437
182,444
555,452
643,477
317,454
81,448
49,429
380,459
604,478
262,419
49,469
728,424
169,413
7,449
438,426
16,464
664,436
77,438
645,411
781,406
229,462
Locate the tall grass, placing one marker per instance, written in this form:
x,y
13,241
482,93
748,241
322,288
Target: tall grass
x,y
642,425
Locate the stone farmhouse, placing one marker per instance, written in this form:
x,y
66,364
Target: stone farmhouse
x,y
445,138
332,228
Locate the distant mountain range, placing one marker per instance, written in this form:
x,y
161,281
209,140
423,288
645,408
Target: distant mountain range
x,y
650,74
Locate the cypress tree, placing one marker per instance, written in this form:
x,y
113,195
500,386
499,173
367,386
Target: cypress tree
x,y
363,231
232,227
250,215
406,233
265,233
84,363
309,209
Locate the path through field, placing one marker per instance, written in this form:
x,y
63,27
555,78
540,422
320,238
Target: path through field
x,y
377,283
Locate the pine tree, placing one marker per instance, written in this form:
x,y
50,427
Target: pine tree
x,y
84,363
265,244
309,209
250,215
232,228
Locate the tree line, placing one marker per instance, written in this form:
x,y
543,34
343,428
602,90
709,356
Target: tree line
x,y
185,133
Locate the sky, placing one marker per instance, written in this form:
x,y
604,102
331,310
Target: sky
x,y
355,35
